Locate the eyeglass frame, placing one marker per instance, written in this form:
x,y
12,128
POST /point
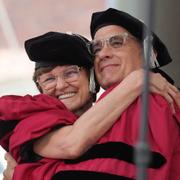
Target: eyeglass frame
x,y
124,35
56,78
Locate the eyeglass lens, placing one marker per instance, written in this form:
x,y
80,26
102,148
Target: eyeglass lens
x,y
115,41
69,75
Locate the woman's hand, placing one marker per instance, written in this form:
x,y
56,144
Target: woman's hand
x,y
11,164
158,84
177,99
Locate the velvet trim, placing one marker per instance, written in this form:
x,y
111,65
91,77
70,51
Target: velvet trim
x,y
87,174
7,126
120,151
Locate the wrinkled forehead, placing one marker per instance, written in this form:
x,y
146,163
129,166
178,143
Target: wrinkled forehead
x,y
62,68
109,30
52,69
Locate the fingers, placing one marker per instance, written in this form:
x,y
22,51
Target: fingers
x,y
11,163
4,175
177,99
171,90
157,81
10,160
160,85
167,92
7,175
170,100
175,94
7,156
170,94
174,88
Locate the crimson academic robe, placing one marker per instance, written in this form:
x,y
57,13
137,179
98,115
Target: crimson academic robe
x,y
113,153
34,116
112,156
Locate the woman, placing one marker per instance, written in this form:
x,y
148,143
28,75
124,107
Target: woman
x,y
72,87
84,134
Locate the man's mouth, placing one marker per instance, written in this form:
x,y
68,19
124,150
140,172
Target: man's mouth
x,y
107,66
66,95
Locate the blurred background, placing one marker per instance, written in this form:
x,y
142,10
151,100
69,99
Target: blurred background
x,y
21,20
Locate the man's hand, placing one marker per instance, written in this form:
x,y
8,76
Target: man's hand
x,y
11,164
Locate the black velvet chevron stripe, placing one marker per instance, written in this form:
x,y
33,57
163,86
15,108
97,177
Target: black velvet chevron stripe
x,y
7,126
117,150
83,175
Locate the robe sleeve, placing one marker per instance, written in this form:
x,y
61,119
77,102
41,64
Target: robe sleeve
x,y
19,107
14,109
39,170
36,126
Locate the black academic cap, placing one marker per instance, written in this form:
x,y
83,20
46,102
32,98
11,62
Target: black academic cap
x,y
133,25
55,48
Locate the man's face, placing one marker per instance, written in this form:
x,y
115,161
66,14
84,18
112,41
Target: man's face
x,y
113,64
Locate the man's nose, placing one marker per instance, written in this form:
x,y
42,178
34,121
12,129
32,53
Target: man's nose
x,y
106,51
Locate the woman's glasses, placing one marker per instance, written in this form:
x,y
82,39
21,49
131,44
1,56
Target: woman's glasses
x,y
48,81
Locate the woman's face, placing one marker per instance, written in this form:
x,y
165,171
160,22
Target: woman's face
x,y
70,84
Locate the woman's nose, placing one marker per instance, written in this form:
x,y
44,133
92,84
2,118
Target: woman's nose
x,y
61,84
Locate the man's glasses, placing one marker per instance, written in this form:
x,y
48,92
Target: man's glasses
x,y
69,75
115,41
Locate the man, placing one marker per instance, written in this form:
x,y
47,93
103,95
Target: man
x,y
117,48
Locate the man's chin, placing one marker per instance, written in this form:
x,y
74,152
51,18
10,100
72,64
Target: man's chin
x,y
108,83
